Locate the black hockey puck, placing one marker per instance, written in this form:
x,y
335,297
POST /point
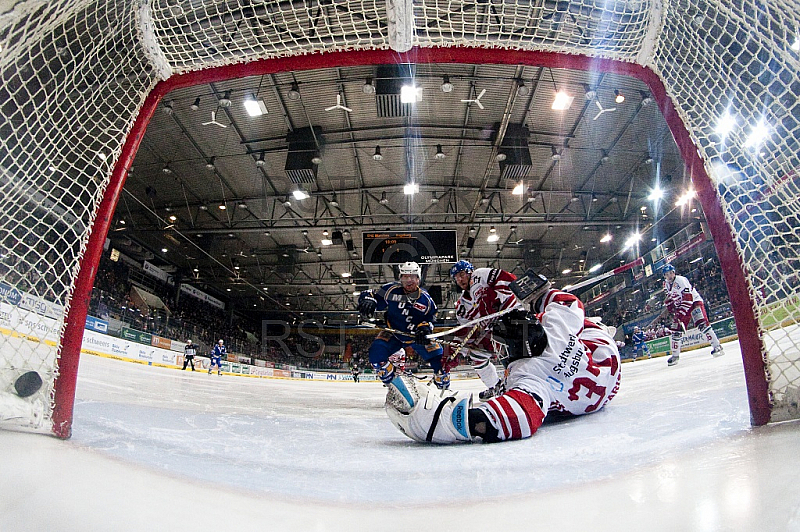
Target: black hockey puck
x,y
28,384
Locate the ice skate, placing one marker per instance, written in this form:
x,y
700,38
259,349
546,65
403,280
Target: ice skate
x,y
673,360
717,351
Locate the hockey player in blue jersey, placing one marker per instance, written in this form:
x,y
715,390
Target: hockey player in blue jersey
x,y
640,346
411,310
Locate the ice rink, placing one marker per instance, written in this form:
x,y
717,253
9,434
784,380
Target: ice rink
x,y
162,449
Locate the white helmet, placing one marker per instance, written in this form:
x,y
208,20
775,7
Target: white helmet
x,y
221,342
410,268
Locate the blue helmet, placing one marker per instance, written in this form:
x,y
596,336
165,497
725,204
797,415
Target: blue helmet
x,y
668,268
461,266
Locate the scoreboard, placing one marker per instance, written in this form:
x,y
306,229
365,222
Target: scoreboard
x,y
396,247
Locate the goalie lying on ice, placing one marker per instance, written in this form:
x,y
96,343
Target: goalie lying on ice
x,y
559,364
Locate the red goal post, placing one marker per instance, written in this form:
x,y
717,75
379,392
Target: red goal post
x,y
95,73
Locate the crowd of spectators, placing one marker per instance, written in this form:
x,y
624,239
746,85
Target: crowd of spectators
x,y
185,317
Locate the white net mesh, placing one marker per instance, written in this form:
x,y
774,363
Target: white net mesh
x,y
73,76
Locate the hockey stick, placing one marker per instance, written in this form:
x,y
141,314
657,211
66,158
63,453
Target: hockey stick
x,y
611,273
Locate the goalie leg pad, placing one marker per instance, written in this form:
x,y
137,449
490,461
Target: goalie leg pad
x,y
515,415
437,417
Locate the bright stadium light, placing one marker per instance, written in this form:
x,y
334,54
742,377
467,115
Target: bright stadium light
x,y
655,194
411,188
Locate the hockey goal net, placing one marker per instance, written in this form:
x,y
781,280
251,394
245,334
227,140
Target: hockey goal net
x,y
81,78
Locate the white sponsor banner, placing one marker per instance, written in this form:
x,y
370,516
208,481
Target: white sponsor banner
x,y
175,345
28,323
158,273
202,296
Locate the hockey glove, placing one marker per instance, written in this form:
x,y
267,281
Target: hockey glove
x,y
422,332
367,305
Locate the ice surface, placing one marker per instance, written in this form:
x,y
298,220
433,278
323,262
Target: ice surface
x,y
158,449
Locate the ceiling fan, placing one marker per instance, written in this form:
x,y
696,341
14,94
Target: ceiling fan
x,y
338,105
476,100
602,110
214,119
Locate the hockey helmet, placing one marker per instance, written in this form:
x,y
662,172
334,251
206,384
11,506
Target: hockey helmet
x,y
189,342
410,268
668,268
220,342
461,266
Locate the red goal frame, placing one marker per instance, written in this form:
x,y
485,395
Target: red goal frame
x,y
732,266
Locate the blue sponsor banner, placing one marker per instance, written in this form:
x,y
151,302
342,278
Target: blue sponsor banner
x,y
10,294
96,324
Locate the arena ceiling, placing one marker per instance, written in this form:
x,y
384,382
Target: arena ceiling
x,y
587,171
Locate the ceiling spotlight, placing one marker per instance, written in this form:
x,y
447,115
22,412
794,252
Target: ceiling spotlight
x,y
384,199
163,250
261,162
604,158
500,157
434,200
222,206
513,228
646,99
325,232
619,96
492,230
410,93
196,104
589,93
649,160
334,202
555,155
254,106
300,194
167,108
472,230
267,233
519,189
225,101
242,205
203,207
287,203
316,159
167,170
210,163
562,101
377,155
410,188
294,92
522,89
446,85
368,87
492,237
439,153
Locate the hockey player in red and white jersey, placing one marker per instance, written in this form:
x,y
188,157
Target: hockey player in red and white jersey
x,y
485,291
687,307
559,364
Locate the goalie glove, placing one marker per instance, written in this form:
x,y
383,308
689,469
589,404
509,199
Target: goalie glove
x,y
435,417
